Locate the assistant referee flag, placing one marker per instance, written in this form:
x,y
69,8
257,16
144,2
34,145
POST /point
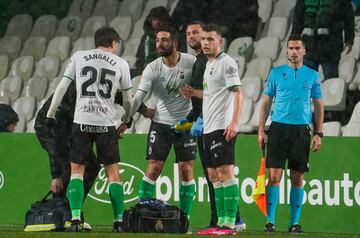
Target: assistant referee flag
x,y
259,193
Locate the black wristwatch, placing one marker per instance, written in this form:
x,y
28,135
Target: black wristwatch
x,y
320,134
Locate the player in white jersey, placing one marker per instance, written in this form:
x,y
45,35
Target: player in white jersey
x,y
222,103
98,74
165,76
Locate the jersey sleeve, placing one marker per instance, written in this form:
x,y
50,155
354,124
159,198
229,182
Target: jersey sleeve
x,y
70,70
147,78
270,85
316,88
125,80
230,73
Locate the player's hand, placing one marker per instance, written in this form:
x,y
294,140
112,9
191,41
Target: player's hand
x,y
121,129
148,113
231,131
197,128
187,91
57,185
315,143
262,139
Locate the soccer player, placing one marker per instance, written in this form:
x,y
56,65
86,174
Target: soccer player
x,y
98,74
293,85
193,38
165,76
222,103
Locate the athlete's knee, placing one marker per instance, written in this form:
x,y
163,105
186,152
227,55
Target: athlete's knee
x,y
186,170
154,169
112,172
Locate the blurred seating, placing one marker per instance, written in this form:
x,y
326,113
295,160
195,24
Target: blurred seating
x,y
240,61
59,47
21,124
19,25
10,46
92,25
267,47
265,9
23,67
81,8
278,27
123,26
242,46
45,26
4,66
131,8
83,43
25,105
106,8
11,87
332,128
36,87
259,67
70,26
347,69
4,99
34,46
284,8
334,94
47,67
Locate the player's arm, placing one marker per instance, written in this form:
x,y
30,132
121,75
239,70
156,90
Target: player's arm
x,y
319,119
58,96
127,104
264,113
232,130
138,100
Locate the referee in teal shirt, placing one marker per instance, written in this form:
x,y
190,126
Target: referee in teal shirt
x,y
293,85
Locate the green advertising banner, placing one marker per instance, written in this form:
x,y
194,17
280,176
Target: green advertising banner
x,y
331,201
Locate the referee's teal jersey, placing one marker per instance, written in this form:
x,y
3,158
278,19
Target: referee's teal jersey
x,y
293,89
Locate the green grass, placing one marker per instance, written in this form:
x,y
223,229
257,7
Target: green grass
x,y
16,231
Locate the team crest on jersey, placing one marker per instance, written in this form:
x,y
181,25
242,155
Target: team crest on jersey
x,y
182,75
231,71
211,71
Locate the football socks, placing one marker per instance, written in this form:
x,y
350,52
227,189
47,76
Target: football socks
x,y
76,195
272,200
231,201
146,188
296,198
219,202
116,194
187,193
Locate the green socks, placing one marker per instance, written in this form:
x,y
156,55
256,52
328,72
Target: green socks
x,y
231,201
187,193
146,188
116,194
219,202
76,195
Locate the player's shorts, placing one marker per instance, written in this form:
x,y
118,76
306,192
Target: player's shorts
x,y
83,139
218,151
288,142
161,137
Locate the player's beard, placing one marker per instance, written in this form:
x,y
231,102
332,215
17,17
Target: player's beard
x,y
166,51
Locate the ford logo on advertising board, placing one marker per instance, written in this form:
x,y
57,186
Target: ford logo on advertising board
x,y
129,174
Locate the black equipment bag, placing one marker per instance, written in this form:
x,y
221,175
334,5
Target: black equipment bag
x,y
155,216
48,214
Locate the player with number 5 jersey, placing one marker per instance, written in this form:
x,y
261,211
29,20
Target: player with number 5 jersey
x,y
98,75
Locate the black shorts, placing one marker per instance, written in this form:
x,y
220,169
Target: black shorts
x,y
161,137
218,151
106,141
288,142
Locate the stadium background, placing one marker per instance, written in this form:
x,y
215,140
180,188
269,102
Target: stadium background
x,y
22,162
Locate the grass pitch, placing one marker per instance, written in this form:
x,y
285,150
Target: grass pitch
x,y
16,231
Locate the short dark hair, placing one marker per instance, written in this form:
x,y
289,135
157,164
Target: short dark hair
x,y
213,27
105,36
195,23
296,38
174,34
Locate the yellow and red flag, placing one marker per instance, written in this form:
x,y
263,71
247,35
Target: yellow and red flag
x,y
259,193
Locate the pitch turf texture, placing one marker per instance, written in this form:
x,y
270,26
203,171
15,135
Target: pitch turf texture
x,y
16,231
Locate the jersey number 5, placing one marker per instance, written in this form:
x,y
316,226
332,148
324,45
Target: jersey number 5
x,y
93,77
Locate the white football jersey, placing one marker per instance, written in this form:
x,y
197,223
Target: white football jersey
x,y
165,83
218,101
98,76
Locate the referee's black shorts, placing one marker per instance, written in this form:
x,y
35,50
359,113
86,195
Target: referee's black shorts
x,y
288,142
